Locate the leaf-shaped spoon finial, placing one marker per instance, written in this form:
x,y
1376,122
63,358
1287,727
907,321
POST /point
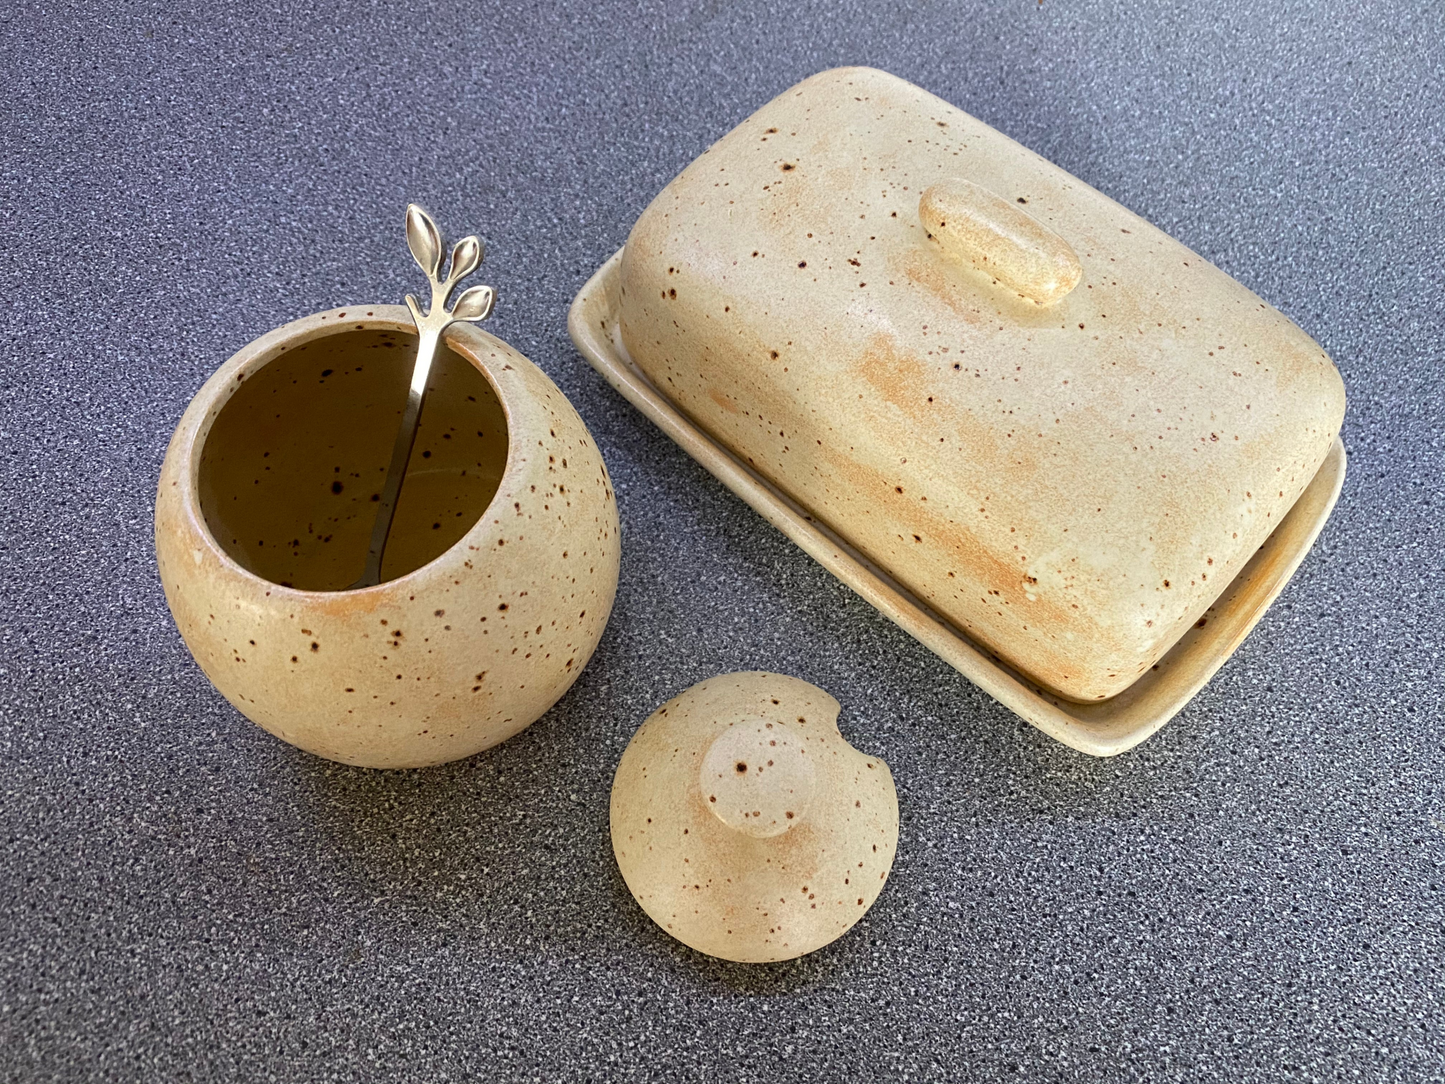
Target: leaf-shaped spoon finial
x,y
425,241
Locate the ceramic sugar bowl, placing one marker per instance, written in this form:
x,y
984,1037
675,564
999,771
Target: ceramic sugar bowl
x,y
500,568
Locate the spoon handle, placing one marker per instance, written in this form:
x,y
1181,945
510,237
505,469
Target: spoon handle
x,y
430,335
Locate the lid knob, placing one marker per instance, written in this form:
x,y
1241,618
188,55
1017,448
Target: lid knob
x,y
974,227
758,777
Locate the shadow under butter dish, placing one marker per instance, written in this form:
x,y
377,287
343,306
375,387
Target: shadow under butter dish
x,y
500,571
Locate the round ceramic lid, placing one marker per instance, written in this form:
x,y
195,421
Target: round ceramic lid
x,y
745,825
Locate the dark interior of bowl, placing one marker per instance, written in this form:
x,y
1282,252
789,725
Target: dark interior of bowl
x,y
292,469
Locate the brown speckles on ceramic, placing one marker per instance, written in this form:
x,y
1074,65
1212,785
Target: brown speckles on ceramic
x,y
1034,474
745,825
503,559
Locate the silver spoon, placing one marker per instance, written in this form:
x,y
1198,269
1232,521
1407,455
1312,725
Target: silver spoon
x,y
474,305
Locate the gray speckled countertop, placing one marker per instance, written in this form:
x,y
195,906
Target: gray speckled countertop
x,y
1253,895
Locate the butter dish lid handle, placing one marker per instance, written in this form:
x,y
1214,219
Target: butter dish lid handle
x,y
973,227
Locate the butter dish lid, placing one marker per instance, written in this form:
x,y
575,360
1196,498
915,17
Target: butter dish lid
x,y
1057,426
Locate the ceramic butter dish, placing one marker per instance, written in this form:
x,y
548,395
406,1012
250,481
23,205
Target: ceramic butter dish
x,y
1035,430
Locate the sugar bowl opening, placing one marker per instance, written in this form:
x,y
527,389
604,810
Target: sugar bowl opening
x,y
290,472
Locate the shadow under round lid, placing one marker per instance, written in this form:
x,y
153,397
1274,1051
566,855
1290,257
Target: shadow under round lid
x,y
1058,427
745,825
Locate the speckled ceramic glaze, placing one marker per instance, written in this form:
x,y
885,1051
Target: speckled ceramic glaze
x,y
499,576
1050,422
745,825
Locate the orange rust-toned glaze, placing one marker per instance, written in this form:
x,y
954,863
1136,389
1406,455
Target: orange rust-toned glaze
x,y
1074,485
500,571
745,825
